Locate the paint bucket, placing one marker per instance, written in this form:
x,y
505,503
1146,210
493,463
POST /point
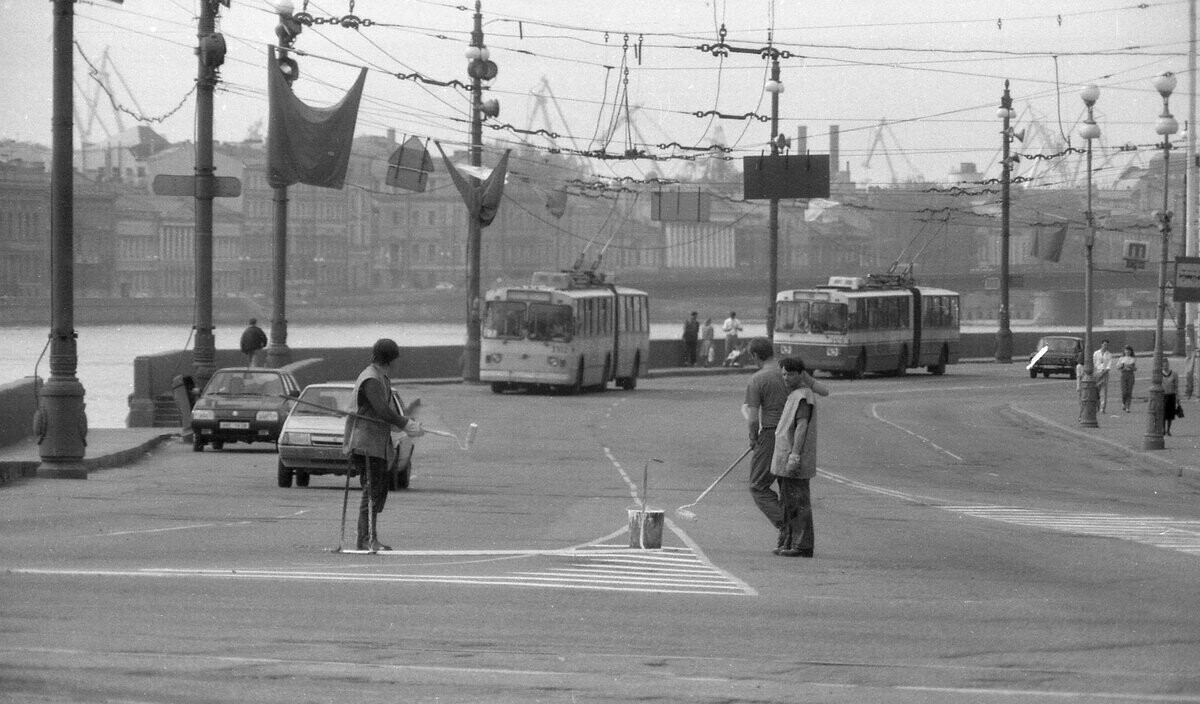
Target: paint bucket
x,y
645,528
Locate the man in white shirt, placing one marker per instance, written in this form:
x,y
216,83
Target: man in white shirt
x,y
1102,361
733,329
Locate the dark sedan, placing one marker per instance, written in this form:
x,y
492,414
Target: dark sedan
x,y
1056,354
242,404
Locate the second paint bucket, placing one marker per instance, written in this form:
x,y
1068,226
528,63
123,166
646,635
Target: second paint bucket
x,y
645,528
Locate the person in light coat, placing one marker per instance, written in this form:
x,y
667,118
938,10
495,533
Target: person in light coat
x,y
795,458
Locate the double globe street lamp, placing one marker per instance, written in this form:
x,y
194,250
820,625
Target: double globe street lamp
x,y
1165,127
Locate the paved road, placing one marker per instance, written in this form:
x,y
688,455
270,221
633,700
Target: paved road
x,y
966,551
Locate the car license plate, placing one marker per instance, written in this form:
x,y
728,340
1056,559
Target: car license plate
x,y
235,425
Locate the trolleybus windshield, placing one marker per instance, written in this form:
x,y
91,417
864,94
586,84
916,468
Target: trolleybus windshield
x,y
811,316
516,320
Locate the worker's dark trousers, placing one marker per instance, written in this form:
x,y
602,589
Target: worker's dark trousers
x,y
379,484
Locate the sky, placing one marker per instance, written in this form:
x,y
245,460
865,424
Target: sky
x,y
913,86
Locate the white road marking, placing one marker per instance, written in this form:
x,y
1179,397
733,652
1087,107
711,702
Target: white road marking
x,y
922,438
1177,534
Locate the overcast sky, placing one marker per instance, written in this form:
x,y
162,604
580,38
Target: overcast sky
x,y
934,69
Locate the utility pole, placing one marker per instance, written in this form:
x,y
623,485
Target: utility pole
x,y
474,228
60,423
774,87
278,353
210,54
1004,333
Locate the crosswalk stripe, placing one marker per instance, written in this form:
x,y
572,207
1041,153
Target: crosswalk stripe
x,y
1159,531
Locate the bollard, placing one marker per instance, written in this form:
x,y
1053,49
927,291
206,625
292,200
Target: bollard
x,y
645,528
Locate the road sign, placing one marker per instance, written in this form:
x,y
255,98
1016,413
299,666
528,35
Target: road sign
x,y
1187,280
223,186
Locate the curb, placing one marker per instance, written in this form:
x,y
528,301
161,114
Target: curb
x,y
12,470
1115,444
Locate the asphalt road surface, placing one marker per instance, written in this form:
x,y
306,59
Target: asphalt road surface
x,y
965,553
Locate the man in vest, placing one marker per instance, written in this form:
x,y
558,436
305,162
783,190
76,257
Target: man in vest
x,y
368,438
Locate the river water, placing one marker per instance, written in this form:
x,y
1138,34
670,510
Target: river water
x,y
106,352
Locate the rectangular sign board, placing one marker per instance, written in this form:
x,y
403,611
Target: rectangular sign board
x,y
785,176
679,206
1187,280
167,185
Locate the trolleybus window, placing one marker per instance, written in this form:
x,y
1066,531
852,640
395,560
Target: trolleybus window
x,y
505,319
550,322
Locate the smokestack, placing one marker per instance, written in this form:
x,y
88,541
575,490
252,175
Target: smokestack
x,y
391,135
834,134
801,140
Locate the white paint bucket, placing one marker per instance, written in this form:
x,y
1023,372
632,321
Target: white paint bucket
x,y
645,528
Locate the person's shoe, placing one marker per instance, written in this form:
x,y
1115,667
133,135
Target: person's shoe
x,y
376,546
804,553
789,552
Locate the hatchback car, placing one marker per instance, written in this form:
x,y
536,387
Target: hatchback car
x,y
311,441
1056,354
242,404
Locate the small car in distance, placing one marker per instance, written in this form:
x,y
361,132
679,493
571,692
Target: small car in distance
x,y
242,404
311,440
1061,355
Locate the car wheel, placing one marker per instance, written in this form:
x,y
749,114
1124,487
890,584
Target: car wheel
x,y
218,444
1032,373
284,475
302,478
498,387
401,476
1071,374
1045,375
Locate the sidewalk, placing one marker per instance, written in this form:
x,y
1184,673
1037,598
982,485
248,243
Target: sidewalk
x,y
1124,432
106,447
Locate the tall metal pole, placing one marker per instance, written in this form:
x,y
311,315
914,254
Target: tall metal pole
x,y
204,354
1191,177
474,229
60,422
1165,127
775,88
278,353
1004,333
1089,394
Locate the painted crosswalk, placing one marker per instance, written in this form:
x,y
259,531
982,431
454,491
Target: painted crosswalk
x,y
669,570
1159,531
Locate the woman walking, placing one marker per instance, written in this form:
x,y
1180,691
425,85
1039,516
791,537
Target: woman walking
x,y
1170,384
1127,365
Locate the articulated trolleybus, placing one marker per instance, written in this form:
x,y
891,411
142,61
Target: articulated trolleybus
x,y
568,330
879,323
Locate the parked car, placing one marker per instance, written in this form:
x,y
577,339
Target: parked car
x,y
311,441
242,404
1061,356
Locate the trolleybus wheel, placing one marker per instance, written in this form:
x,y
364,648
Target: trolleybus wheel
x,y
902,362
860,366
940,368
629,383
603,385
577,387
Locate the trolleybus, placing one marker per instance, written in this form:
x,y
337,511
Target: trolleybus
x,y
568,330
879,323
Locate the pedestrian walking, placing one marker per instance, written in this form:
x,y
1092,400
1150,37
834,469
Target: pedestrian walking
x,y
254,340
691,339
707,353
733,330
794,461
1126,366
766,395
1102,361
368,440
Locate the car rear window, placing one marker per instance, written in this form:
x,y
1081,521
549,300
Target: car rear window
x,y
1059,345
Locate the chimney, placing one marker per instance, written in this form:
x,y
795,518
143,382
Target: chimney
x,y
391,135
801,140
834,134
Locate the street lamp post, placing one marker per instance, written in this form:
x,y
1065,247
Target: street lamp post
x,y
1165,126
1089,395
774,87
1004,333
278,353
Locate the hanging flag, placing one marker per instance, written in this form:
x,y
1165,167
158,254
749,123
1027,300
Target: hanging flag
x,y
556,202
306,144
483,200
1050,247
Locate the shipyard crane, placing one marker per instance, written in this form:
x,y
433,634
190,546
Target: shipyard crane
x,y
883,131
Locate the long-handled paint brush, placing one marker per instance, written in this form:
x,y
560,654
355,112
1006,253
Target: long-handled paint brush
x,y
464,444
684,512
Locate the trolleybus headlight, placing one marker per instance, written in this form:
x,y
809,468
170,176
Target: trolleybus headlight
x,y
785,349
831,352
493,358
556,361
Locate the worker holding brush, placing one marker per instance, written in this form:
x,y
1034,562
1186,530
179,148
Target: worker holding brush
x,y
794,461
766,395
368,440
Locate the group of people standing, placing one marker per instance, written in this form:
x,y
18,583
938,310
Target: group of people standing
x,y
1104,363
699,345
